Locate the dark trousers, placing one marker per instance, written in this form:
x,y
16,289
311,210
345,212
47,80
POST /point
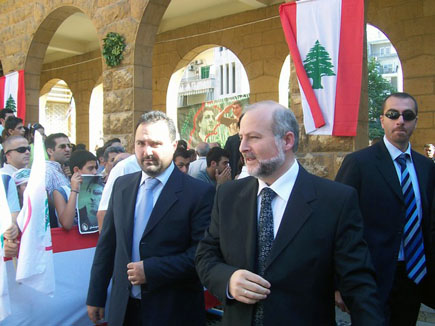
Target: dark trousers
x,y
133,315
404,301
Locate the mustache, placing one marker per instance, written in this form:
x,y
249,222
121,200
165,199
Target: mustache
x,y
250,156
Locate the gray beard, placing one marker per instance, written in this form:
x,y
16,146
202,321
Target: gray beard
x,y
267,167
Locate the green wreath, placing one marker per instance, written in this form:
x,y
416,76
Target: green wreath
x,y
113,48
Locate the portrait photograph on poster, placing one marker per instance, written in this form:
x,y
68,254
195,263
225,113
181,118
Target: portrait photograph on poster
x,y
88,201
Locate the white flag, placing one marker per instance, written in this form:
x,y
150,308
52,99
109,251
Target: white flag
x,y
5,223
35,261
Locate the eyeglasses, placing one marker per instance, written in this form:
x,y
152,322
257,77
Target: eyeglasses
x,y
407,115
21,149
63,146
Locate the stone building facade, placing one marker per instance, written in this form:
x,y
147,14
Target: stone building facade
x,y
140,83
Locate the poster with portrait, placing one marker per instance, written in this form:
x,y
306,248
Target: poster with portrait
x,y
211,121
88,201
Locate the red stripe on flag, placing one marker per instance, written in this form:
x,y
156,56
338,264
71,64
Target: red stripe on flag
x,y
2,91
21,97
64,240
29,214
348,90
287,13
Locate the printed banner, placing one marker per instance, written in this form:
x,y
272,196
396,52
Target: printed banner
x,y
325,39
88,201
73,256
211,121
13,93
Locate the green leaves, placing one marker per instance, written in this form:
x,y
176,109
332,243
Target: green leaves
x,y
318,64
113,48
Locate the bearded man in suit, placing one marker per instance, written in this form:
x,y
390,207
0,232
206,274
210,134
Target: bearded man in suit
x,y
149,237
281,240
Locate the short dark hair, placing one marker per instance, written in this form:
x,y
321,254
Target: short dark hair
x,y
180,151
100,152
112,149
111,141
80,147
12,122
156,116
3,113
50,141
215,154
182,143
80,158
401,95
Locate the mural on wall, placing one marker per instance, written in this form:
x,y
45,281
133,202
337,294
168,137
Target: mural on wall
x,y
211,121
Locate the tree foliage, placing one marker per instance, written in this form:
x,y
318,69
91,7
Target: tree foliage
x,y
318,64
378,89
10,104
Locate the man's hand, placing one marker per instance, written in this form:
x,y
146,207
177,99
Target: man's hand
x,y
135,272
11,233
96,314
340,303
11,248
224,176
248,287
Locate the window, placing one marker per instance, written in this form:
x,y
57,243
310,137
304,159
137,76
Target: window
x,y
205,72
233,66
228,77
221,73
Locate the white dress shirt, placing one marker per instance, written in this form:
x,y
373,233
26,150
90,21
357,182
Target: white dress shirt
x,y
283,187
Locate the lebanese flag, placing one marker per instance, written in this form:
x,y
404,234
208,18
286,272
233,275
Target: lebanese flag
x,y
13,93
35,261
325,38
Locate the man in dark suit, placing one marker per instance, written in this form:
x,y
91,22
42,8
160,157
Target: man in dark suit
x,y
147,244
276,242
376,173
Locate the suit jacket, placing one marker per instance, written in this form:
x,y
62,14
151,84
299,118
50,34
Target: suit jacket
x,y
172,294
320,235
372,173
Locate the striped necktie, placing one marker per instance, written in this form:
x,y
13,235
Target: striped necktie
x,y
412,234
264,240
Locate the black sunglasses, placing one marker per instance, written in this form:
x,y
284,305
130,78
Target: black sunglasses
x,y
407,115
63,146
21,149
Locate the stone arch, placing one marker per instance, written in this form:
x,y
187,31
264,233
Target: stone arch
x,y
80,78
143,56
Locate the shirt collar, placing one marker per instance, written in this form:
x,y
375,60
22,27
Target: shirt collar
x,y
284,184
163,177
394,151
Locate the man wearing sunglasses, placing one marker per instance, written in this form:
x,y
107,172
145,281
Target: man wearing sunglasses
x,y
396,188
17,153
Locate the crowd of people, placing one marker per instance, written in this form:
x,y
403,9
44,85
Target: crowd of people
x,y
279,246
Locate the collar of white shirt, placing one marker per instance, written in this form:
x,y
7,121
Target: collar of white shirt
x,y
283,186
163,177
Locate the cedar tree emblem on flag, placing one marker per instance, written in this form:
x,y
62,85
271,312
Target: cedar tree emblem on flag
x,y
318,64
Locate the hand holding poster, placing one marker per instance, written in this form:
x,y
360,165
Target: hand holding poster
x,y
88,201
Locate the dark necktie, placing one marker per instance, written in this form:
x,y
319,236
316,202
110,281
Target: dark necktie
x,y
264,243
412,235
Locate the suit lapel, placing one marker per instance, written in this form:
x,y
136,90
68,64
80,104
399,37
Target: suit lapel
x,y
128,200
295,215
167,198
422,177
387,170
246,208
